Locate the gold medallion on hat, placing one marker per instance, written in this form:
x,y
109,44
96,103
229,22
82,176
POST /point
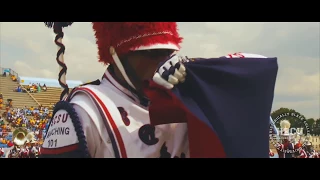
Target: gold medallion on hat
x,y
112,50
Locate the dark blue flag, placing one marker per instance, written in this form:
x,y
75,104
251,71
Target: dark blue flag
x,y
273,128
226,103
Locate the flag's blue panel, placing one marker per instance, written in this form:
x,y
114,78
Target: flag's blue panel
x,y
234,98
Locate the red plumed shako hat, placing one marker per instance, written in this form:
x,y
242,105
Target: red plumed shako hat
x,y
131,36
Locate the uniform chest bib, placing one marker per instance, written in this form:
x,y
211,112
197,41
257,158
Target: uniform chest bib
x,y
129,128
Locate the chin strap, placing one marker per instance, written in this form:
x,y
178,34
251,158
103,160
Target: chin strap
x,y
126,69
120,66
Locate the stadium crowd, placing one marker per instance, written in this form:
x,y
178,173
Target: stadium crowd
x,y
34,119
31,88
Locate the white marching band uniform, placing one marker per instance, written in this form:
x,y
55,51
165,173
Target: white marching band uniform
x,y
314,154
108,96
271,154
21,139
1,152
14,152
128,142
303,153
113,120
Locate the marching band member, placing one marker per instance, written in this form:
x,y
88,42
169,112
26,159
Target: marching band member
x,y
1,152
314,154
24,152
18,142
297,148
14,152
113,117
33,150
280,149
303,153
308,146
286,138
39,150
271,154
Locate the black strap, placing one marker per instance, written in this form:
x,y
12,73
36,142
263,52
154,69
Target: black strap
x,y
131,73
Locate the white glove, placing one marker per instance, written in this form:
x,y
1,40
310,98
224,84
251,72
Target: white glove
x,y
171,72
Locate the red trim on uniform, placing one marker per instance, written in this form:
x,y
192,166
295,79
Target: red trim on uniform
x,y
230,55
113,124
59,150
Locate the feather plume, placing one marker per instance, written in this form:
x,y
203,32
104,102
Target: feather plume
x,y
285,124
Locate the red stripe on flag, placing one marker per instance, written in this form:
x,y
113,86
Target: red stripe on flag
x,y
203,142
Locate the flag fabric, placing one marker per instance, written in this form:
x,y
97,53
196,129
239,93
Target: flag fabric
x,y
273,127
226,103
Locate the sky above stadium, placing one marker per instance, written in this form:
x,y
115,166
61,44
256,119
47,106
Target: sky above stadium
x,y
28,49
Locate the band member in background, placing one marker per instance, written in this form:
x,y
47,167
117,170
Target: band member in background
x,y
293,142
271,154
24,152
297,148
280,149
288,147
14,152
115,117
1,152
308,146
39,150
33,150
303,153
314,154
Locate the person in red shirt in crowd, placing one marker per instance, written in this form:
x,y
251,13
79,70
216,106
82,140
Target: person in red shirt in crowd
x,y
10,144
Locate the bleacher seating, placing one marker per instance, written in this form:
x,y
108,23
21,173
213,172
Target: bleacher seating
x,y
49,97
19,99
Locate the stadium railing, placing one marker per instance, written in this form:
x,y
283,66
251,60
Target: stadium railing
x,y
31,96
9,70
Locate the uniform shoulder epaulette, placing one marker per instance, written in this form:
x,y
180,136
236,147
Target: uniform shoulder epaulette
x,y
96,82
64,136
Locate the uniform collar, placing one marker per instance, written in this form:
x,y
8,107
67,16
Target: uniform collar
x,y
110,79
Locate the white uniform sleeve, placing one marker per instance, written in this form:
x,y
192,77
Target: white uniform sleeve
x,y
93,139
93,126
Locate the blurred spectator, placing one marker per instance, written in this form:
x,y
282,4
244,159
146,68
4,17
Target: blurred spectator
x,y
1,103
44,88
18,89
33,119
34,87
10,102
14,78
